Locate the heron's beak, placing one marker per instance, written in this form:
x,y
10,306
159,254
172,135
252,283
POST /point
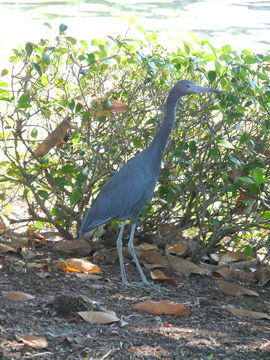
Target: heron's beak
x,y
204,89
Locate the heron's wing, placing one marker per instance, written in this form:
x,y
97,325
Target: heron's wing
x,y
122,196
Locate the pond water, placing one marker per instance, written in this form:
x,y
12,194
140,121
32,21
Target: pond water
x,y
242,24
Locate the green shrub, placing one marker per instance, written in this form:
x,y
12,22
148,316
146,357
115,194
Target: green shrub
x,y
214,182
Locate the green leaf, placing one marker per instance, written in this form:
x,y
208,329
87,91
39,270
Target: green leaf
x,y
234,160
225,143
212,75
106,104
82,178
29,48
76,138
246,179
34,133
244,138
137,143
226,49
62,28
23,101
46,59
37,68
4,72
209,57
69,169
91,58
257,175
248,251
214,153
75,196
43,194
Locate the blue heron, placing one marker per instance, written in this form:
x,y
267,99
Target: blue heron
x,y
128,190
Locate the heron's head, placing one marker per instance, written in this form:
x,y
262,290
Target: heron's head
x,y
185,87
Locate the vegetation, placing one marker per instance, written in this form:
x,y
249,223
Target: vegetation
x,y
214,181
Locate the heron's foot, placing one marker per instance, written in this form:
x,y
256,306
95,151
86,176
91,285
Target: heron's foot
x,y
146,284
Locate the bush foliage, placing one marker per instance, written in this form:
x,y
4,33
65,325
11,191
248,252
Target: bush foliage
x,y
214,180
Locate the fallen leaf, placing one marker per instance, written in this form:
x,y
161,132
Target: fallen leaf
x,y
147,246
52,235
88,276
159,275
152,257
4,248
178,248
263,275
36,342
99,317
81,247
162,307
3,227
26,253
183,266
234,289
231,257
77,265
17,295
260,327
55,138
247,313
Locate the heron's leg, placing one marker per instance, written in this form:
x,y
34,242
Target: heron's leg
x,y
133,254
119,246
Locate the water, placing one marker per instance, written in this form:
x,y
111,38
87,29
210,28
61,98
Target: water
x,y
242,24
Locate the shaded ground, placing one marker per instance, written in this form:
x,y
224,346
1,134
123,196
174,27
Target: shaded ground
x,y
209,332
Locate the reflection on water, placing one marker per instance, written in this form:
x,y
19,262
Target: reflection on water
x,y
243,24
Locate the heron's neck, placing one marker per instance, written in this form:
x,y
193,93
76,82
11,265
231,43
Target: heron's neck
x,y
161,138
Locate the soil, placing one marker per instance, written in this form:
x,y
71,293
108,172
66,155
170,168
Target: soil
x,y
209,332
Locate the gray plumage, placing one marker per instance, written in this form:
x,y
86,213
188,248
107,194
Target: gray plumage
x,y
128,190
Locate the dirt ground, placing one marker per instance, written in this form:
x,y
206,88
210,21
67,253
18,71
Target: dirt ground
x,y
209,332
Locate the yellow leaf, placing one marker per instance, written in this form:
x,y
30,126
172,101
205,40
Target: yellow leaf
x,y
77,265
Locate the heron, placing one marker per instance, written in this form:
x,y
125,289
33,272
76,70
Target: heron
x,y
125,194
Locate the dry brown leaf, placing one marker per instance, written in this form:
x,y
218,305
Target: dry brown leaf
x,y
231,257
77,265
17,296
147,246
54,139
3,227
116,107
178,248
99,317
183,266
81,247
234,289
26,253
159,275
162,307
245,265
260,327
4,248
36,342
247,313
88,276
52,235
152,257
263,275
